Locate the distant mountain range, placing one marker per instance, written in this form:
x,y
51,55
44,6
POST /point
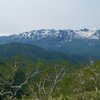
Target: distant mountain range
x,y
84,42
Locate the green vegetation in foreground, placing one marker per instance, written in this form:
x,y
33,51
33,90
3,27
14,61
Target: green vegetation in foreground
x,y
22,80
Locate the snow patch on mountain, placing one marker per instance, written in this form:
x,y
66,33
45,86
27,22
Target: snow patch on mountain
x,y
89,34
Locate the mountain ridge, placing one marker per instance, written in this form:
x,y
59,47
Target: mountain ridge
x,y
82,33
83,42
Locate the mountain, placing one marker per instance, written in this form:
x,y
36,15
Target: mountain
x,y
33,52
83,42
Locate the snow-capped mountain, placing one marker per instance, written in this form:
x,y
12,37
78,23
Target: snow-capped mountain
x,y
83,41
62,35
51,33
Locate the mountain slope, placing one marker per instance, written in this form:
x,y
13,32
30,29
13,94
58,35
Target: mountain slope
x,y
32,52
83,42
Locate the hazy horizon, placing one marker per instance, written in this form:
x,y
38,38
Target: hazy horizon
x,y
24,15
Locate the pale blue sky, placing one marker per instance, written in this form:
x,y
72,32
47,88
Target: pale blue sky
x,y
25,15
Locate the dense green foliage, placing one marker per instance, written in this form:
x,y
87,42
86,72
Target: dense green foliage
x,y
27,80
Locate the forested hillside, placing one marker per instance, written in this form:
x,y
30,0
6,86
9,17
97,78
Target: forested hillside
x,y
33,52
